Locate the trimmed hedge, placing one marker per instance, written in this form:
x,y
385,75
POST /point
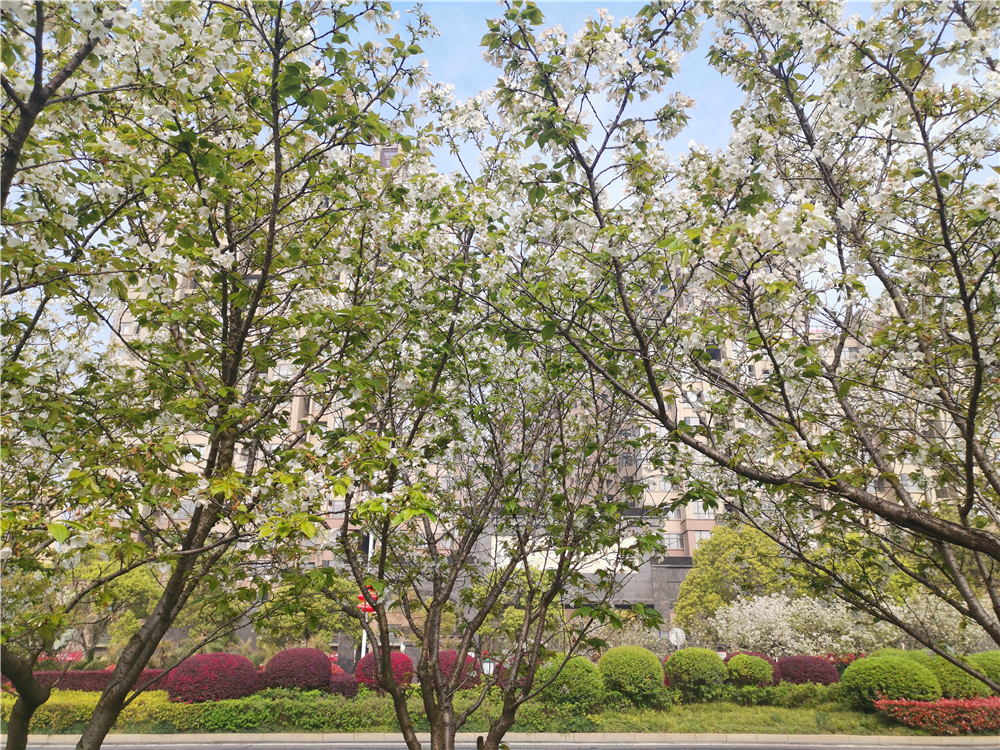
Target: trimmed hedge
x,y
775,670
987,662
801,669
956,682
402,670
697,672
744,670
302,668
945,716
92,681
634,672
870,679
212,677
918,655
344,684
469,677
579,685
336,669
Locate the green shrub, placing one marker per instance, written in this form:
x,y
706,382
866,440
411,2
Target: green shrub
x,y
635,673
744,669
65,712
698,673
956,682
578,685
867,680
783,695
920,656
987,662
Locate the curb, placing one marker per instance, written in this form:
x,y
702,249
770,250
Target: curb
x,y
542,738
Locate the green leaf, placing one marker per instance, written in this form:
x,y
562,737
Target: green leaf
x,y
548,331
59,532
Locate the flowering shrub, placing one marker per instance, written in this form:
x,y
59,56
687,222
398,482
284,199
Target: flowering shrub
x,y
775,671
956,682
697,672
470,670
344,684
744,669
304,668
945,716
402,670
802,669
92,681
868,680
212,677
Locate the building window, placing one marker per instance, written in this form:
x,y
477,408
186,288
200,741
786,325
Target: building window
x,y
673,515
665,485
386,155
700,536
699,512
674,541
692,421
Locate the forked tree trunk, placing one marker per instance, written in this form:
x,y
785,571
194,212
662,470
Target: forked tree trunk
x,y
30,695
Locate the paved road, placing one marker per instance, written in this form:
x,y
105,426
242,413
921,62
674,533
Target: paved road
x,y
515,745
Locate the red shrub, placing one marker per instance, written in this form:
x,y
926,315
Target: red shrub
x,y
666,680
212,677
343,684
802,669
775,669
502,675
945,716
304,668
94,681
335,669
402,670
470,676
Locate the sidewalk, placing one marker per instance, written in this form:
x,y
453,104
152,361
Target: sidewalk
x,y
638,739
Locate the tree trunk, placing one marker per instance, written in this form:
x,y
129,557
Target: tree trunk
x,y
443,728
30,695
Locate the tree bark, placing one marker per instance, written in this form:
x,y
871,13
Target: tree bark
x,y
30,695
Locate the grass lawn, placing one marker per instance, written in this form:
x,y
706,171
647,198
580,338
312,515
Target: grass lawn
x,y
728,718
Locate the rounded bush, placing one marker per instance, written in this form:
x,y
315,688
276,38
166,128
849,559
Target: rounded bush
x,y
743,670
212,677
802,669
956,682
868,680
634,672
775,671
920,656
987,662
344,684
696,672
335,669
579,684
302,668
470,676
402,670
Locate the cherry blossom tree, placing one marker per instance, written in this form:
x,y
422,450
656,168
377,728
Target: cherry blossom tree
x,y
820,296
191,220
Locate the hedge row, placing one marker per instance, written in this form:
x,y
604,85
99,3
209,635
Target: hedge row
x,y
945,716
91,681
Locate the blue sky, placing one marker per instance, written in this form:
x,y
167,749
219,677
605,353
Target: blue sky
x,y
455,57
